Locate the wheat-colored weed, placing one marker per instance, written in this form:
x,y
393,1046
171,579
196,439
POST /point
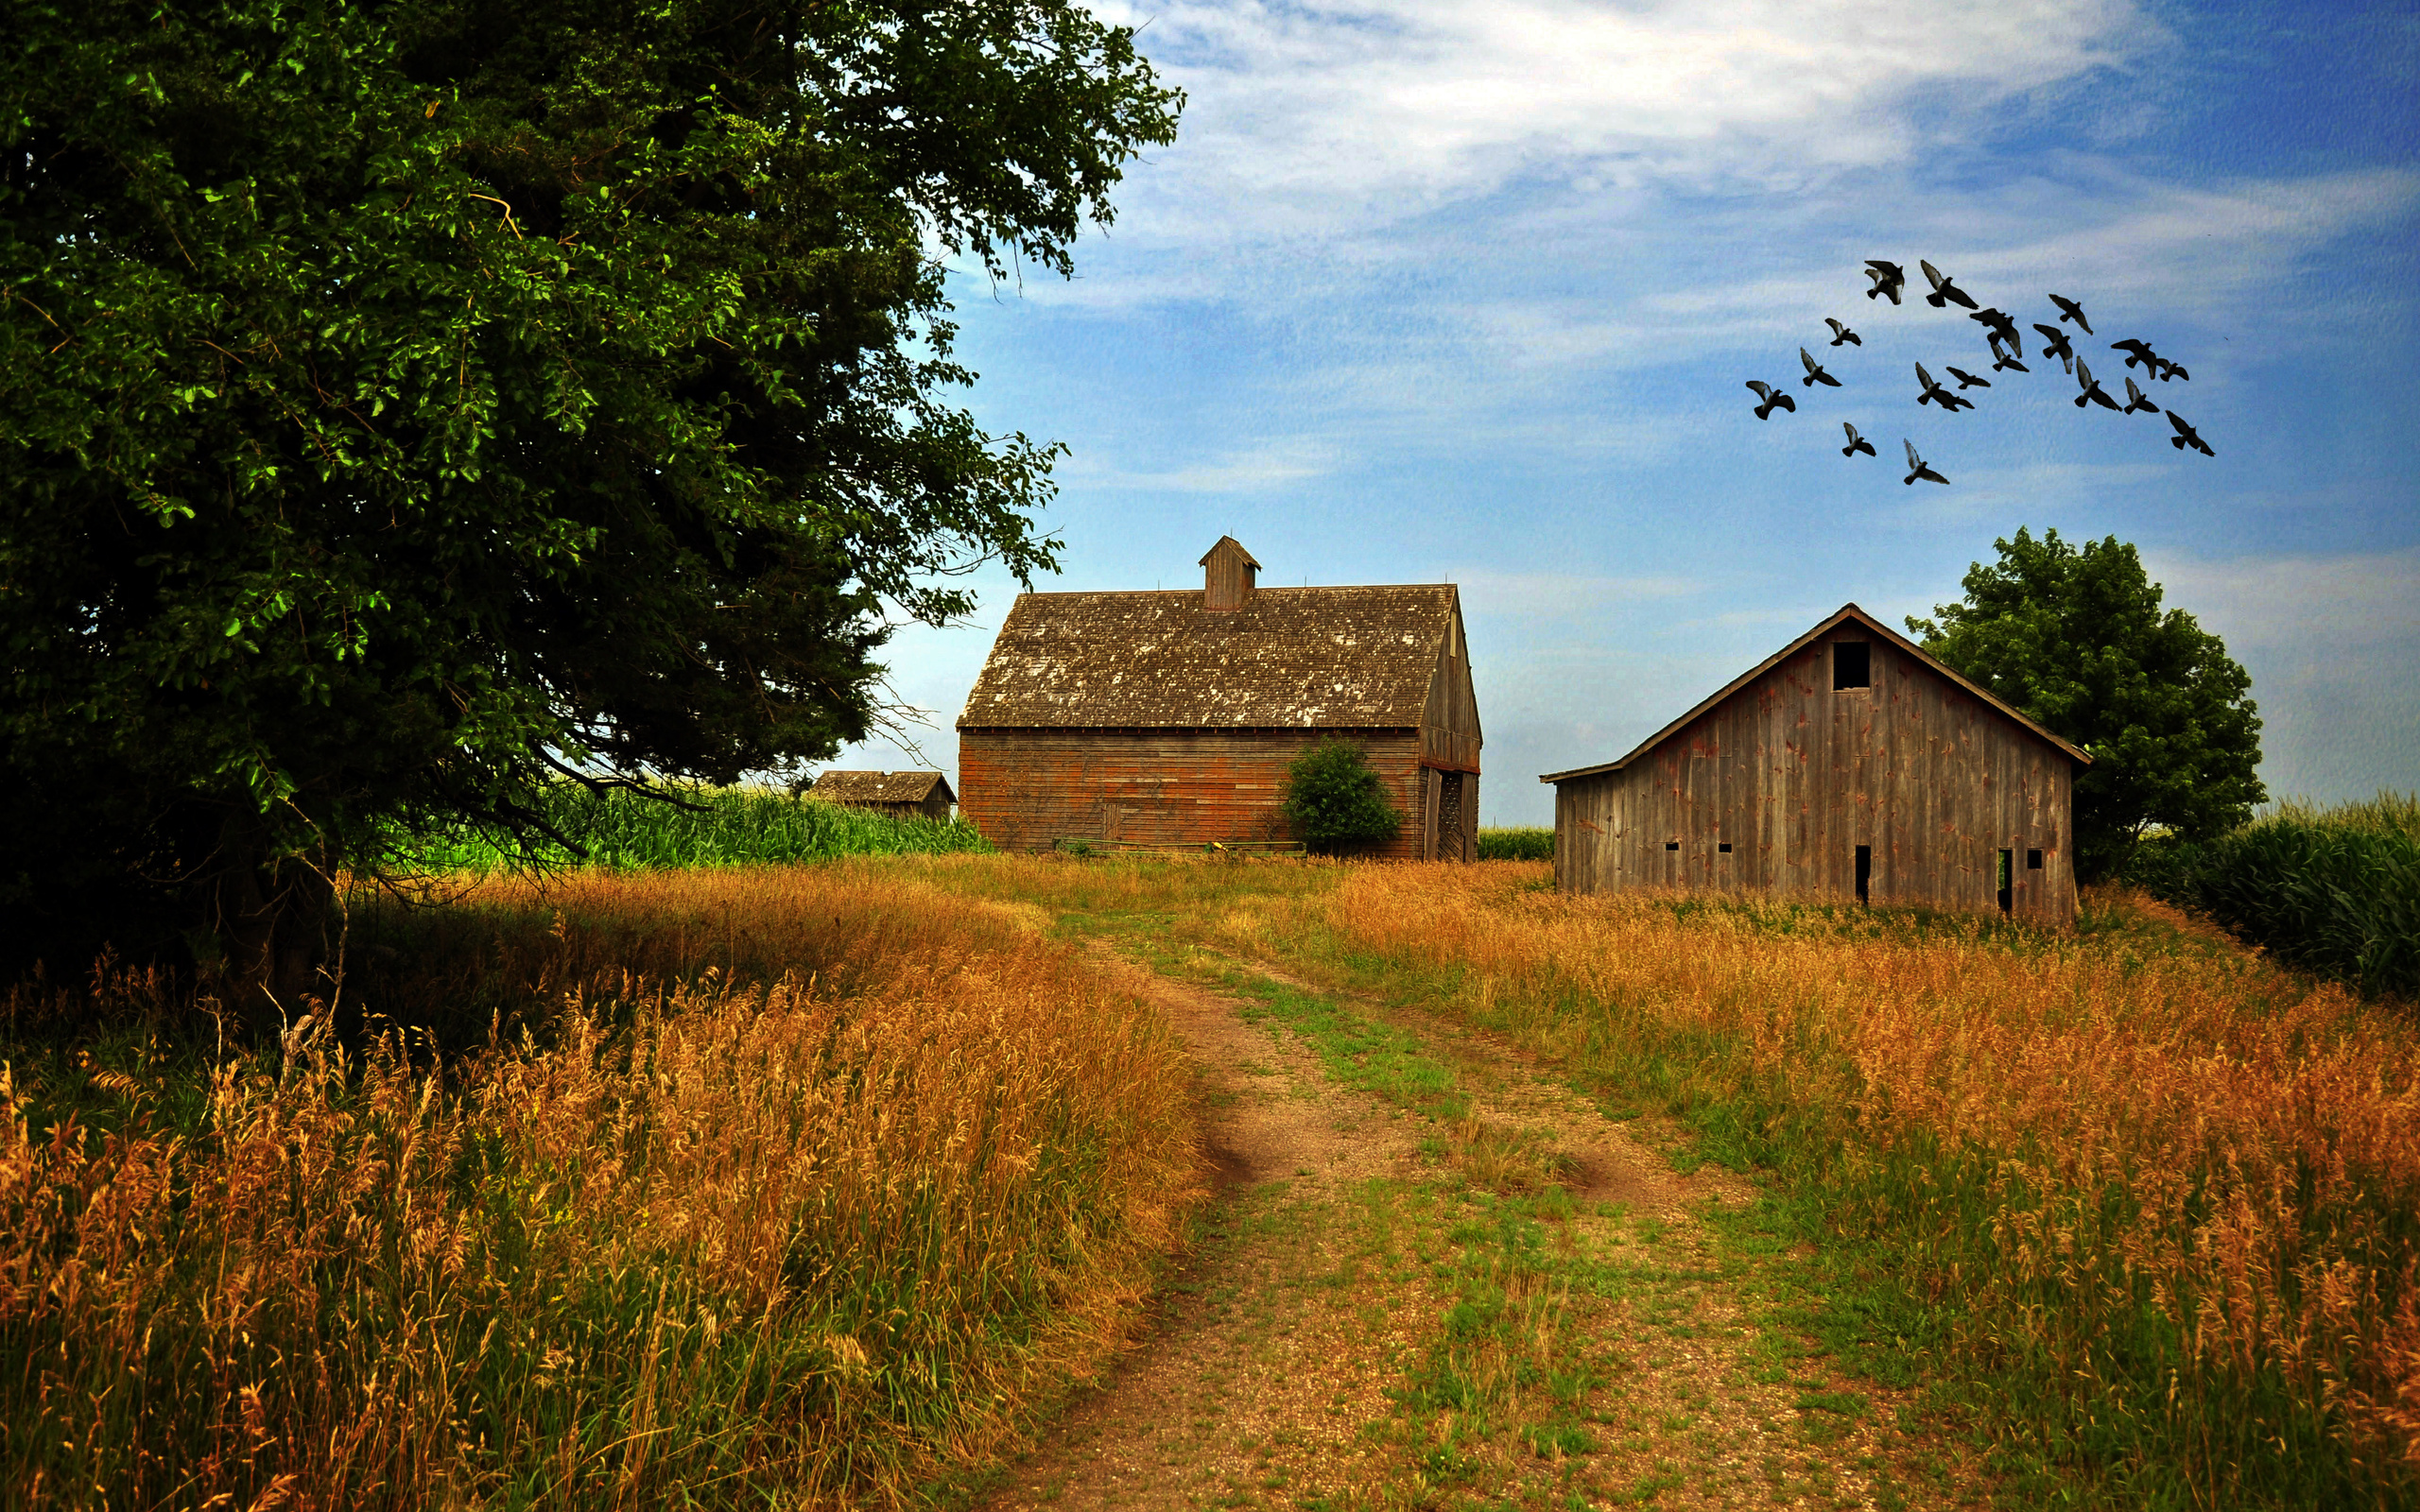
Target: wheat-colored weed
x,y
2108,1156
805,1230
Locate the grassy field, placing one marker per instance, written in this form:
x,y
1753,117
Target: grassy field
x,y
2141,1206
2334,889
775,1185
813,1183
704,827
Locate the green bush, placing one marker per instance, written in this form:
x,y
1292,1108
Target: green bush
x,y
2335,890
708,827
1524,844
1336,801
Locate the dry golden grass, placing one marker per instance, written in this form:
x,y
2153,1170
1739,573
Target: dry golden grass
x,y
2186,1186
796,1185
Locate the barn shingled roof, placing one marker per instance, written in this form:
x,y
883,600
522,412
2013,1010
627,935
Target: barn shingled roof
x,y
1299,658
876,788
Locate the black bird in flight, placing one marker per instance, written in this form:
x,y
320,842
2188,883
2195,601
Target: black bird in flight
x,y
1889,278
2070,310
1815,374
1935,394
1773,399
2001,328
2169,370
1916,468
2138,349
1841,332
2185,436
1967,380
2135,400
1857,444
2093,393
2054,344
1944,292
2001,362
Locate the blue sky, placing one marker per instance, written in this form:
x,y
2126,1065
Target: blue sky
x,y
1430,289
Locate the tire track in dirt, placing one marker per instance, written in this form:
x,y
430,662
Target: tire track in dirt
x,y
1261,1369
1264,1379
1779,1437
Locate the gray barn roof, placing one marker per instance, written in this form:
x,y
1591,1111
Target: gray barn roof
x,y
1831,622
880,788
1303,657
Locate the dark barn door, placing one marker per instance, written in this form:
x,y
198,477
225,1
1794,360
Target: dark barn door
x,y
1451,817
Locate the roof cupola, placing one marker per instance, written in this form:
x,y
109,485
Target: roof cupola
x,y
1228,575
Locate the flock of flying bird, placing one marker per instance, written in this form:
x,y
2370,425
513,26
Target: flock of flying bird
x,y
2008,354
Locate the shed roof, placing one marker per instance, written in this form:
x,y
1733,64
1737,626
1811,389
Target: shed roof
x,y
880,787
1830,623
1301,658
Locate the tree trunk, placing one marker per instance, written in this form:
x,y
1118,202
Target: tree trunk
x,y
270,909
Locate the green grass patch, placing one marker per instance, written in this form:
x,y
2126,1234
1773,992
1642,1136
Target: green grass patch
x,y
689,826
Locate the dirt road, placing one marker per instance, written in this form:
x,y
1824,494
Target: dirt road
x,y
1521,1305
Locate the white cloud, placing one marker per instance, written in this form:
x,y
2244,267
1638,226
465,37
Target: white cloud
x,y
2329,641
2313,606
1249,470
1302,117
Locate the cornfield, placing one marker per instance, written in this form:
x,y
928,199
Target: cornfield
x,y
2335,890
1515,844
700,827
793,1185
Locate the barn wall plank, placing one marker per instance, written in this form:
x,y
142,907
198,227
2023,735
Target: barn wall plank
x,y
1026,789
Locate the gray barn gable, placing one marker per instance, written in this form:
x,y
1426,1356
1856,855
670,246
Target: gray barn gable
x,y
1850,765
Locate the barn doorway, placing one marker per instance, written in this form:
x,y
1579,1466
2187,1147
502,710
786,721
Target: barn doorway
x,y
1864,873
1453,836
2007,880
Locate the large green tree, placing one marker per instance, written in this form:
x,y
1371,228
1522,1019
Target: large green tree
x,y
2076,638
402,403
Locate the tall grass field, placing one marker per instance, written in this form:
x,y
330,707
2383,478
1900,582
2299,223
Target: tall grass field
x,y
2335,890
693,826
762,1187
2149,1202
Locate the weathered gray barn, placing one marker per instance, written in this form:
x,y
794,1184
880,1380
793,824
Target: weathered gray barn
x,y
1849,764
1169,718
902,795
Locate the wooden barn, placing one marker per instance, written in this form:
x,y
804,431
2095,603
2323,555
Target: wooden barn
x,y
1168,717
1849,764
902,795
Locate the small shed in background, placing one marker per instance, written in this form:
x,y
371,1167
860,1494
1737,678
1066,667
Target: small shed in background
x,y
1169,718
902,795
1848,765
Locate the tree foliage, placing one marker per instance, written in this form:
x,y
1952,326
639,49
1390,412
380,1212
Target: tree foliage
x,y
1335,800
401,404
2074,637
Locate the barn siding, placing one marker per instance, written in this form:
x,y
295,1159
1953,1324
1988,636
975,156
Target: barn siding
x,y
1795,775
1024,789
1450,732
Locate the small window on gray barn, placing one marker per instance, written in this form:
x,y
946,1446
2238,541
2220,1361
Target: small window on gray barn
x,y
1852,664
1671,845
2033,861
1724,848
